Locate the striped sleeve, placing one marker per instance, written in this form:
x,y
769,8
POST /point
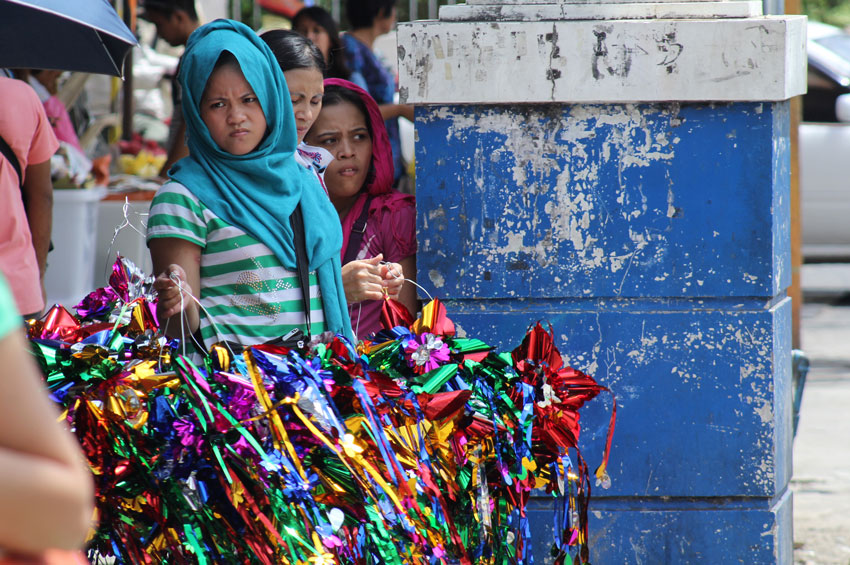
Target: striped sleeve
x,y
176,212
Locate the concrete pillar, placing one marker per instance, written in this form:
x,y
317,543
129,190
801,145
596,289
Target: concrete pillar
x,y
620,170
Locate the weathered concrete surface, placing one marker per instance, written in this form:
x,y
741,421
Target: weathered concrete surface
x,y
745,59
654,239
821,480
621,201
558,182
600,11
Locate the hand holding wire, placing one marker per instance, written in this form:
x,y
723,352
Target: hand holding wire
x,y
392,275
175,294
363,280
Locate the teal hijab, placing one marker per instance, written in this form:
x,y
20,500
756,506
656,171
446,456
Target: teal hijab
x,y
258,191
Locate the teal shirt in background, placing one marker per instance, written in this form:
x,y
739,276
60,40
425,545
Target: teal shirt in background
x,y
10,319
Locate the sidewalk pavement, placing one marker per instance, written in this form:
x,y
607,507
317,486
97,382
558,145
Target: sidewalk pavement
x,y
821,480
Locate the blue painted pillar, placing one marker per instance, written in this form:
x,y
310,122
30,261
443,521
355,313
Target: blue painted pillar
x,y
621,170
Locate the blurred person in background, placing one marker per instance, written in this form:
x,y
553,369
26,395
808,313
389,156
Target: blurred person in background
x,y
369,20
175,20
46,85
317,25
27,143
46,492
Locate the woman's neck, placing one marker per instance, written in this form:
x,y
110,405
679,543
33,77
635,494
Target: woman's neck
x,y
366,35
344,205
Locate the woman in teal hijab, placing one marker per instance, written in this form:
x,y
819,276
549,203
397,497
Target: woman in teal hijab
x,y
223,225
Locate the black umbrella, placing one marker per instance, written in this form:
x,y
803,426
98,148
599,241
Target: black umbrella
x,y
70,35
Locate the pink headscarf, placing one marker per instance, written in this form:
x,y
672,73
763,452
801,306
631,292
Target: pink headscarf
x,y
380,180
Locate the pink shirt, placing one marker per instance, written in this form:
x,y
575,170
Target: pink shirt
x,y
391,230
24,126
57,114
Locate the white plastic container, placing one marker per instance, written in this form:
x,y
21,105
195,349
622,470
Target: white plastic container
x,y
70,266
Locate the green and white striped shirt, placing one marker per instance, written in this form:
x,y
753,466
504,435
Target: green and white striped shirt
x,y
250,296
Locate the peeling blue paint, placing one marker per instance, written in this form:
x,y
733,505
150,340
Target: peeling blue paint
x,y
695,391
640,532
605,201
655,240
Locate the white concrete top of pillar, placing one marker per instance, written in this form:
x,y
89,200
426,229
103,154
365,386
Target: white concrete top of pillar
x,y
484,10
531,3
760,58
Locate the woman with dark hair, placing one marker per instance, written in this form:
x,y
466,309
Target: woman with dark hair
x,y
301,63
378,222
317,25
369,20
303,68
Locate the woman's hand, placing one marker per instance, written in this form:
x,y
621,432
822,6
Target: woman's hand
x,y
175,298
174,292
393,279
363,280
178,262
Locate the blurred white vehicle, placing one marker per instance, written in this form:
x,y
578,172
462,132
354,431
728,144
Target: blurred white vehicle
x,y
825,146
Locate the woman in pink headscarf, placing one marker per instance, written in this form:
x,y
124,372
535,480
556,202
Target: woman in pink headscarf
x,y
45,85
378,222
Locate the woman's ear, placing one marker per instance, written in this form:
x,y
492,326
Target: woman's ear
x,y
180,17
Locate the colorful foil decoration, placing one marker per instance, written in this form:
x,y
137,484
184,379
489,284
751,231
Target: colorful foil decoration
x,y
414,447
425,353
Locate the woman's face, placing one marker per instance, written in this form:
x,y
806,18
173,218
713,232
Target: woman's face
x,y
232,111
342,130
315,33
50,80
306,87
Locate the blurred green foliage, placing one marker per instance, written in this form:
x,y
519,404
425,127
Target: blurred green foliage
x,y
835,12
